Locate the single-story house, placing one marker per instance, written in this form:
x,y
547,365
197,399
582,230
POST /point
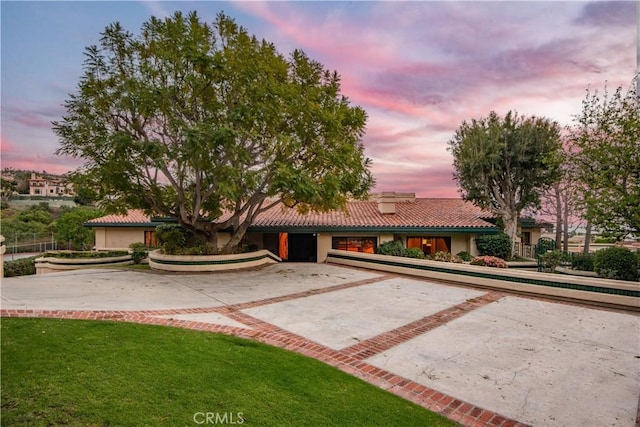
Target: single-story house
x,y
431,224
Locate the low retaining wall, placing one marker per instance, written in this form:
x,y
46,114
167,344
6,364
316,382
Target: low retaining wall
x,y
585,289
203,263
53,264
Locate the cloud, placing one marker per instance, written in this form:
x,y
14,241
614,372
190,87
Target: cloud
x,y
609,14
156,8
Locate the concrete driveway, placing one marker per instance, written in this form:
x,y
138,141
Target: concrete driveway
x,y
478,357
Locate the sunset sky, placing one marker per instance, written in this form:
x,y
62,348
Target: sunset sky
x,y
418,68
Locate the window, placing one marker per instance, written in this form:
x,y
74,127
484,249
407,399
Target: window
x,y
526,237
355,244
430,244
150,239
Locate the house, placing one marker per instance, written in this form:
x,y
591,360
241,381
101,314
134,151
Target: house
x,y
49,186
433,225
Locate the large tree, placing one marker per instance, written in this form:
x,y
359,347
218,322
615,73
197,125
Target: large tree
x,y
209,125
503,164
605,141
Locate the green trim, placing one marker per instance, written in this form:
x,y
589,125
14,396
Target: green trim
x,y
539,282
365,229
212,262
122,224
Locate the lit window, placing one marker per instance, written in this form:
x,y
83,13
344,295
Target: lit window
x,y
355,244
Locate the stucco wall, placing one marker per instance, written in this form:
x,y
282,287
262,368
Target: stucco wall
x,y
110,238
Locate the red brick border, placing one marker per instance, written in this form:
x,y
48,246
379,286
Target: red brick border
x,y
349,360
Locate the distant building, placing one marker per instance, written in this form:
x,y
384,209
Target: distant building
x,y
50,186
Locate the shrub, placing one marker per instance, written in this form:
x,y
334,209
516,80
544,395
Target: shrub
x,y
172,237
552,259
138,252
414,253
442,256
394,248
582,261
196,250
85,254
465,256
545,245
457,259
20,267
605,240
496,245
489,261
616,263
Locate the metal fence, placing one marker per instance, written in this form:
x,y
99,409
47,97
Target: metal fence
x,y
524,250
18,245
575,260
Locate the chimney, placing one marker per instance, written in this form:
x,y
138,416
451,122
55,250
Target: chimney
x,y
387,202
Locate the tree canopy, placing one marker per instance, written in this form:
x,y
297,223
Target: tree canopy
x,y
605,148
503,164
69,227
211,126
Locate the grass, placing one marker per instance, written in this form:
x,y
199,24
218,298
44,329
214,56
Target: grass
x,y
99,373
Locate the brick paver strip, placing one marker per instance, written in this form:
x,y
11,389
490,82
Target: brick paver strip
x,y
369,347
349,360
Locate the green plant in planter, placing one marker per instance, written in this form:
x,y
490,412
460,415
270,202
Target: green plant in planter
x,y
465,256
442,256
552,259
394,248
85,254
138,252
489,261
414,253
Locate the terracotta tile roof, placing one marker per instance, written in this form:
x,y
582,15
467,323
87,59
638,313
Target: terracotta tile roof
x,y
432,213
134,216
428,213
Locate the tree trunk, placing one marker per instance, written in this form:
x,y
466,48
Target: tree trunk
x,y
559,222
510,221
565,233
587,238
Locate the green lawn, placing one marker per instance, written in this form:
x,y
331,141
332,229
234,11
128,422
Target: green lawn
x,y
98,373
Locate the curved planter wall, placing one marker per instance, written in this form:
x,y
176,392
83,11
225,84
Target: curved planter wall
x,y
201,263
53,264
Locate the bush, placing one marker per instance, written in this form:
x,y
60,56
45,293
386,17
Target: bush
x,y
456,259
582,261
20,267
394,248
616,263
414,253
138,252
172,237
605,240
489,261
196,250
545,245
552,259
465,256
85,254
442,256
496,245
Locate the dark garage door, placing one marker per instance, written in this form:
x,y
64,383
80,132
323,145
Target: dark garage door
x,y
303,247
